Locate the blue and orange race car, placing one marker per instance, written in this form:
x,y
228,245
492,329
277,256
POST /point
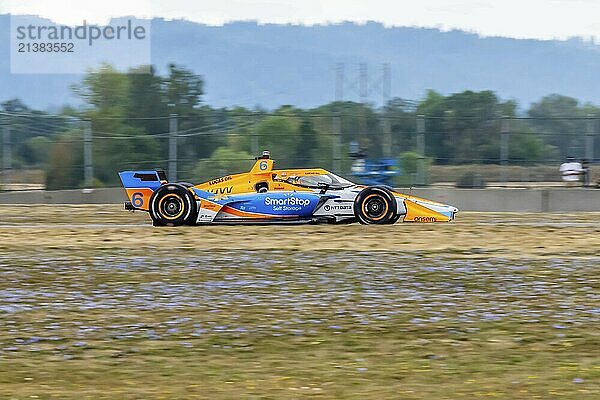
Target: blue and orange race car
x,y
265,195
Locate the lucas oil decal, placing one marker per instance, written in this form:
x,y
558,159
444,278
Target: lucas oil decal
x,y
219,180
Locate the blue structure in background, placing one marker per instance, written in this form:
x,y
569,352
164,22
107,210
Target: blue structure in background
x,y
373,172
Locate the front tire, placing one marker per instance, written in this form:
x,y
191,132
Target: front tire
x,y
172,205
375,205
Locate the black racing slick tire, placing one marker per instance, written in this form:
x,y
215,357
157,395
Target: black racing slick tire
x,y
172,205
375,205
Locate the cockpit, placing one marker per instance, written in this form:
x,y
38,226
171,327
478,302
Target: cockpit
x,y
329,180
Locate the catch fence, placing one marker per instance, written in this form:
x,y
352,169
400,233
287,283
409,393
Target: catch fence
x,y
61,152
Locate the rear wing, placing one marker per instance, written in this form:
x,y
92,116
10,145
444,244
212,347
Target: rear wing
x,y
139,186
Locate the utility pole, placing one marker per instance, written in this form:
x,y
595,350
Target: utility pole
x,y
360,84
386,85
339,81
172,167
589,139
385,94
363,83
6,152
336,122
504,132
88,166
421,150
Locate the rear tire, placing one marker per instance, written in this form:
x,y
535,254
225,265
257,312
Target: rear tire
x,y
395,219
375,205
172,205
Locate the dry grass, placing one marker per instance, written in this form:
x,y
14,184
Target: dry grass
x,y
96,303
476,234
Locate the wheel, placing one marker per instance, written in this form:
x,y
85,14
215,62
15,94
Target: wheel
x,y
375,205
172,205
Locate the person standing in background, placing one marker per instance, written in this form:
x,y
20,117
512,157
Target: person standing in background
x,y
571,171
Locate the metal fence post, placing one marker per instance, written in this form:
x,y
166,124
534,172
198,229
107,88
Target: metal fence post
x,y
172,167
335,148
88,166
504,132
421,150
254,144
6,153
589,139
387,137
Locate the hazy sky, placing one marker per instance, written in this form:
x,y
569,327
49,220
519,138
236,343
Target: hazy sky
x,y
544,19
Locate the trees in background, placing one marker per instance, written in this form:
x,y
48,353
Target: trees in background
x,y
561,120
464,127
32,133
130,114
224,160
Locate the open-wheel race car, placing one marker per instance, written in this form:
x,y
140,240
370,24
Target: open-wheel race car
x,y
265,195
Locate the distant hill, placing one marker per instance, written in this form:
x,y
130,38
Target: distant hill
x,y
269,65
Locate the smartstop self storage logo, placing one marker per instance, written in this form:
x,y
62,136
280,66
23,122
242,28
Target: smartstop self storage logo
x,y
40,46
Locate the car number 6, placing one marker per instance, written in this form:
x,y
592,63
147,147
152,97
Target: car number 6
x,y
137,199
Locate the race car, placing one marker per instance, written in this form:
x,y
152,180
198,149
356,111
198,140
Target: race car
x,y
265,195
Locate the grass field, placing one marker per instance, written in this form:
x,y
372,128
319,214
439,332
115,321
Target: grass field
x,y
95,303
